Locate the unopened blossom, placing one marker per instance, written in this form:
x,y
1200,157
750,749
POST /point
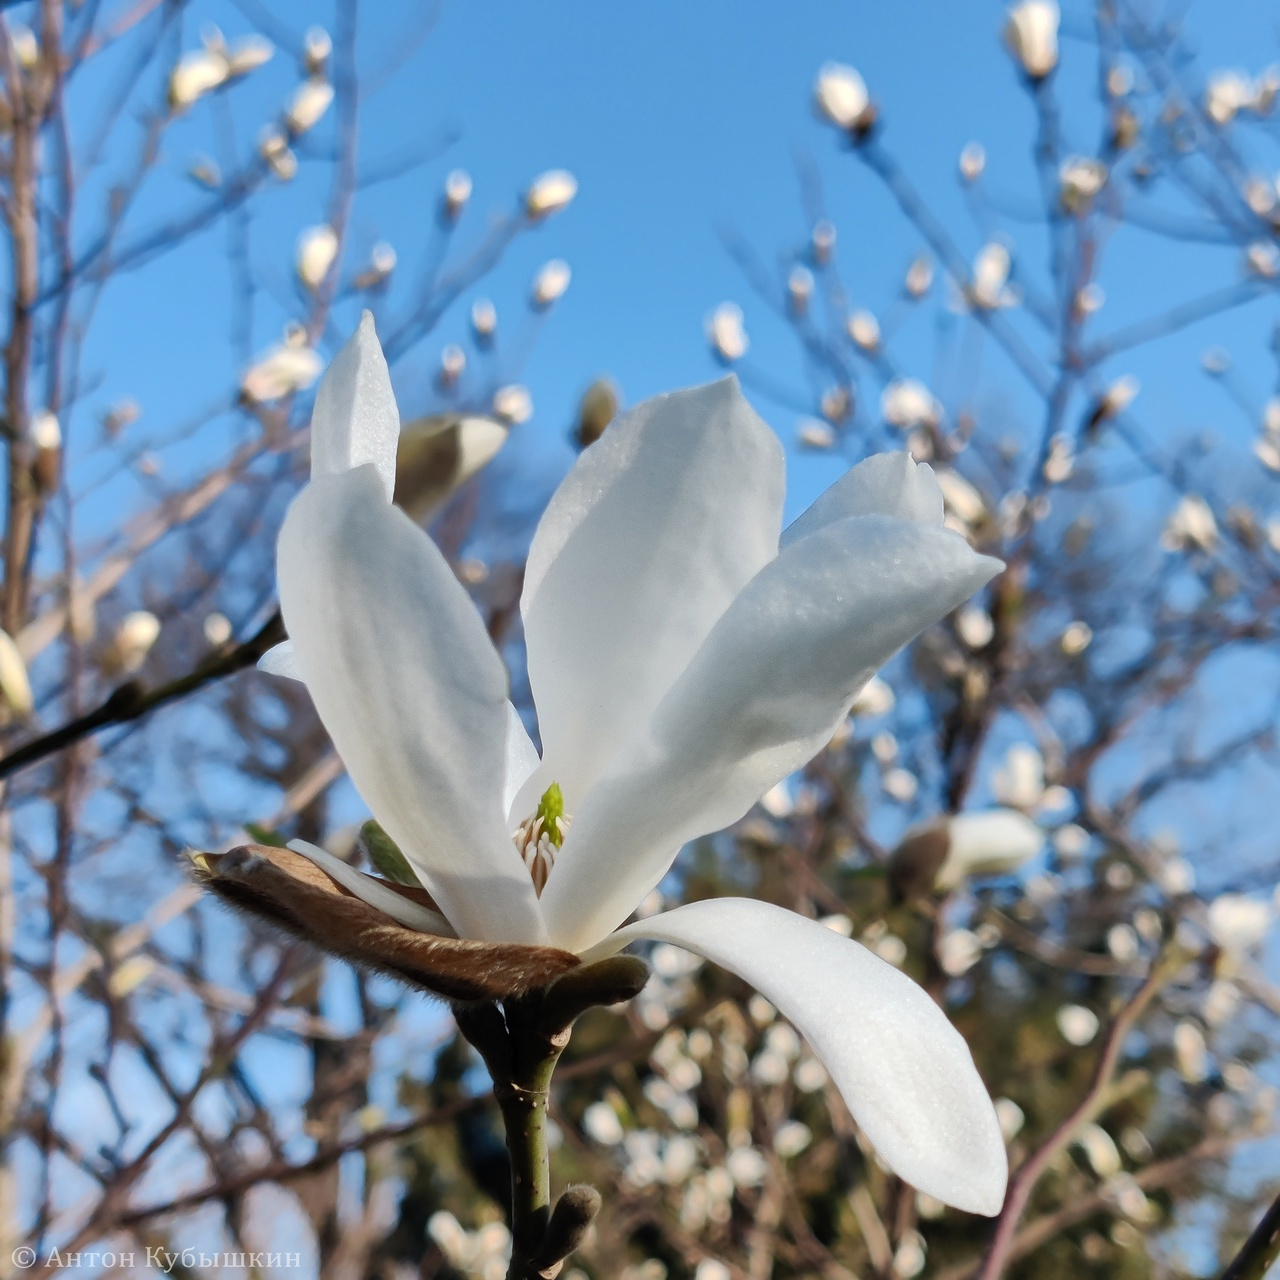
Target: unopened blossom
x,y
962,499
46,435
15,685
26,48
840,96
1226,95
1122,942
919,277
1080,178
292,366
1190,1052
274,149
249,54
1031,33
206,172
986,842
874,699
958,951
1100,1150
791,1137
457,191
453,360
133,639
1019,781
317,249
317,45
1076,638
382,262
1191,527
1011,1117
1077,1024
799,289
1091,298
974,626
550,283
685,654
908,403
1239,924
198,73
813,433
822,241
1262,258
217,630
484,320
549,193
726,332
864,330
991,276
513,404
306,108
973,160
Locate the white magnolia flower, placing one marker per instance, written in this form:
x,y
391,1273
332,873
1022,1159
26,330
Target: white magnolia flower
x,y
1077,1024
132,641
840,94
15,685
864,330
317,45
1031,33
685,654
991,276
1238,924
973,160
1019,781
249,54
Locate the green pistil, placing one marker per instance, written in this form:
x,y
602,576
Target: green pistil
x,y
551,810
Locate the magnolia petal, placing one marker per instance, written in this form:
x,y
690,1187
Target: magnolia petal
x,y
355,419
377,894
658,526
412,692
764,693
905,1072
280,660
886,484
521,761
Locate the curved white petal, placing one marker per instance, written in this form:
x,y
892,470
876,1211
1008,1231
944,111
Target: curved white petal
x,y
367,889
521,761
764,693
906,1073
412,692
658,526
280,660
886,484
355,419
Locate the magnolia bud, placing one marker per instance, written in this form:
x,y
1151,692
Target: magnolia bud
x,y
249,54
217,630
205,171
973,160
1031,33
484,321
310,101
453,360
840,95
436,454
596,409
133,639
919,277
292,366
15,685
46,435
726,333
1080,179
316,48
864,330
273,147
382,262
317,249
822,241
550,192
457,191
196,74
799,289
513,404
550,283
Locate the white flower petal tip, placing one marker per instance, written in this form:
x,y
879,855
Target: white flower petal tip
x,y
886,484
281,661
355,420
905,1072
412,693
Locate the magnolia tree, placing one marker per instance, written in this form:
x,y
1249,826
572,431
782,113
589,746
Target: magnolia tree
x,y
760,964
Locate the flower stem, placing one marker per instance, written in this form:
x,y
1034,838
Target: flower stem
x,y
1260,1250
521,1056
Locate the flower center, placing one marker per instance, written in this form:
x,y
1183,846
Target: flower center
x,y
540,835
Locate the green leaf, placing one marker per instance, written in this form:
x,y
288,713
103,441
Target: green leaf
x,y
385,855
